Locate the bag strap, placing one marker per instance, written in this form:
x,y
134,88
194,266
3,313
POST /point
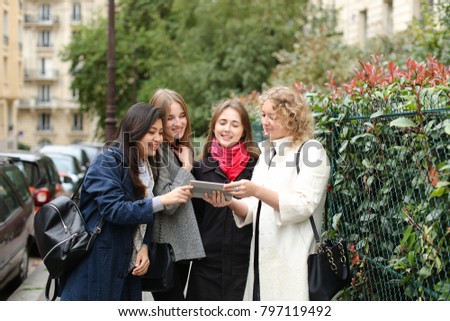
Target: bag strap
x,y
99,226
256,289
78,187
311,219
48,286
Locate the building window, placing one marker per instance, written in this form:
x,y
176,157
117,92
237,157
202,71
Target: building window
x,y
20,36
44,121
44,38
5,69
44,141
76,12
75,93
74,34
42,69
44,12
77,123
5,28
45,67
362,22
389,17
44,93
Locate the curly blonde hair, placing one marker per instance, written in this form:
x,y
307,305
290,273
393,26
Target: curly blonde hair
x,y
293,109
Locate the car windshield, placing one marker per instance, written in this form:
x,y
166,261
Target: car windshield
x,y
66,165
31,172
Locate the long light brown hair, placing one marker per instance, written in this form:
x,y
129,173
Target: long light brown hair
x,y
163,98
247,137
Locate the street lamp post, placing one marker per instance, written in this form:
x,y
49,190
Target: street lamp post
x,y
110,120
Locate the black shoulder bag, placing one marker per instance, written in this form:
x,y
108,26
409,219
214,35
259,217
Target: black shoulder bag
x,y
160,274
62,237
328,268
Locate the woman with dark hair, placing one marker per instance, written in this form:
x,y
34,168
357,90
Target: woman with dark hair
x,y
229,155
176,224
118,189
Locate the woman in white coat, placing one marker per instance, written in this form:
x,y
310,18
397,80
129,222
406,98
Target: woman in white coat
x,y
283,234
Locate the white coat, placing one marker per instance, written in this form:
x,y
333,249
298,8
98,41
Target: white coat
x,y
286,237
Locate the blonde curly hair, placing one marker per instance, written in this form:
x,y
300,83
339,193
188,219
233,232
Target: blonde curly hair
x,y
293,109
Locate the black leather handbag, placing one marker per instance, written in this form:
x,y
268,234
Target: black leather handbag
x,y
159,277
328,270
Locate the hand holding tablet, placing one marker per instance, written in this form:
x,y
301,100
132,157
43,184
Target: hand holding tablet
x,y
202,187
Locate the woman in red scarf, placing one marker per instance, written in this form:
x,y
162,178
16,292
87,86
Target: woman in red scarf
x,y
228,155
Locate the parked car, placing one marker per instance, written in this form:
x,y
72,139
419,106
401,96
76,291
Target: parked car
x,y
74,150
69,171
16,224
41,174
92,149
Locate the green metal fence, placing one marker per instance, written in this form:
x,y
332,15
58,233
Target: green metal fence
x,y
390,199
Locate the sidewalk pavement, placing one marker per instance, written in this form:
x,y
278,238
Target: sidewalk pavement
x,y
32,289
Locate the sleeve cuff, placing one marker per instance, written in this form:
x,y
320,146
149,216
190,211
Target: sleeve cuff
x,y
157,204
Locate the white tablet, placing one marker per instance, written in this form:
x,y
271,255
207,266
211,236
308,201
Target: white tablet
x,y
202,187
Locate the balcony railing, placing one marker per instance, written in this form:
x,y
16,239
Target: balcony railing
x,y
45,103
23,104
36,21
46,47
44,75
41,128
39,103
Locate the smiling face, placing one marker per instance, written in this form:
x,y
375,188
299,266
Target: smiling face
x,y
149,143
176,122
273,123
228,128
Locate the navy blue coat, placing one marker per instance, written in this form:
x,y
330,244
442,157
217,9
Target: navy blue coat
x,y
108,193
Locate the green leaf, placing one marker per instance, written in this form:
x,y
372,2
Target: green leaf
x,y
447,129
435,214
411,258
343,147
438,192
402,122
377,114
425,272
406,235
442,184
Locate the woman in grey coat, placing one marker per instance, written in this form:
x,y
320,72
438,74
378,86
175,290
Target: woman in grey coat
x,y
176,225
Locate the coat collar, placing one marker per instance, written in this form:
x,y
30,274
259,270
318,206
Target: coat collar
x,y
282,147
209,164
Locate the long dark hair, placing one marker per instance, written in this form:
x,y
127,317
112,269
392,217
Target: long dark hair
x,y
135,124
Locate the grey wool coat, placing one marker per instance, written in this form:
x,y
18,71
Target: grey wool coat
x,y
176,224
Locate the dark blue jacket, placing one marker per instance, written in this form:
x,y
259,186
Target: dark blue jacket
x,y
108,193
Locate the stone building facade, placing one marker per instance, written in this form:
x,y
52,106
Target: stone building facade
x,y
11,79
360,20
48,110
